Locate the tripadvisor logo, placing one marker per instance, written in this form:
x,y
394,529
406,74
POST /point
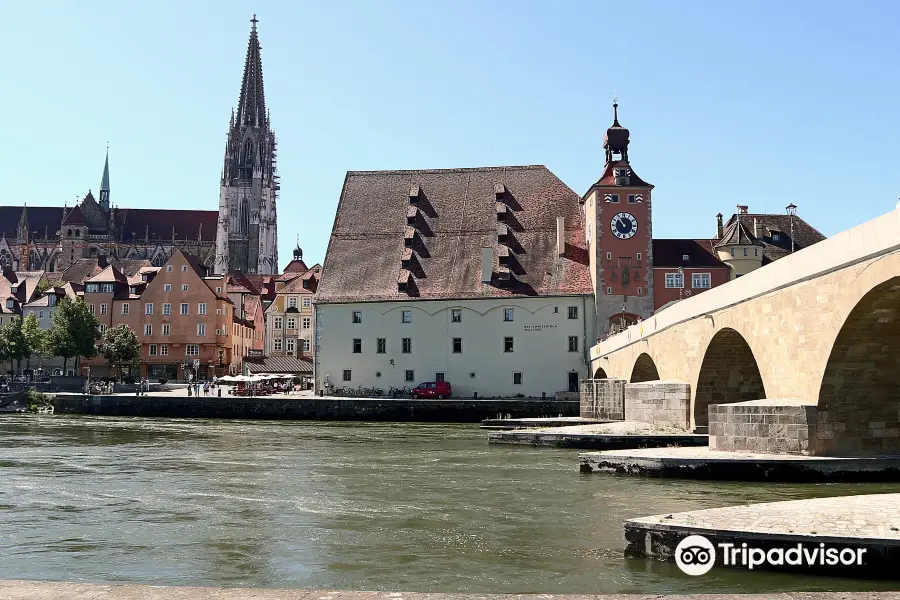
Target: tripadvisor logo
x,y
696,555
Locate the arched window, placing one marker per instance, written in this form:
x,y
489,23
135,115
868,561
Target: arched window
x,y
69,233
5,258
245,216
35,261
248,152
77,233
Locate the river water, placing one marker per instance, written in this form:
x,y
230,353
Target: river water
x,y
400,507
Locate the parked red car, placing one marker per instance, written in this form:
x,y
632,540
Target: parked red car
x,y
432,389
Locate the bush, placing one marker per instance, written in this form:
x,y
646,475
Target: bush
x,y
37,400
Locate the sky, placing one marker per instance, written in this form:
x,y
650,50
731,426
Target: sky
x,y
757,103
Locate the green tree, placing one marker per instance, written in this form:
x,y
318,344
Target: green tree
x,y
74,331
13,346
42,286
34,337
120,345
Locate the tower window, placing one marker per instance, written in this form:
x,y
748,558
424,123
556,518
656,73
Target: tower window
x,y
639,256
614,198
609,256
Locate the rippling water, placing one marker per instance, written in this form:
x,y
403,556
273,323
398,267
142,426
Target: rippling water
x,y
346,506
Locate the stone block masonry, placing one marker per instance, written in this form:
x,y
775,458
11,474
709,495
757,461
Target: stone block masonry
x,y
603,399
762,426
659,403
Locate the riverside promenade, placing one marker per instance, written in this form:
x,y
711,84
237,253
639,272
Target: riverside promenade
x,y
34,590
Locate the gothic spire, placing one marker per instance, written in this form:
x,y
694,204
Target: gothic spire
x,y
252,102
23,223
104,184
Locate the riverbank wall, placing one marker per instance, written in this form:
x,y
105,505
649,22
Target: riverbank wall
x,y
313,408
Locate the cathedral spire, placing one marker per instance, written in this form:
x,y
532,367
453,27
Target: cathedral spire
x,y
23,224
104,184
252,101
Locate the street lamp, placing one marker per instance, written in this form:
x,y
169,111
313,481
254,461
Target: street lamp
x,y
681,287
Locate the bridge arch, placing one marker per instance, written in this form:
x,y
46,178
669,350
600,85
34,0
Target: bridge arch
x,y
729,373
644,369
858,399
600,373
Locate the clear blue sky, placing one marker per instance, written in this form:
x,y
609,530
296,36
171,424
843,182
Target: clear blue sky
x,y
758,103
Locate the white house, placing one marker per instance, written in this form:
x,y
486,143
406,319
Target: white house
x,y
479,277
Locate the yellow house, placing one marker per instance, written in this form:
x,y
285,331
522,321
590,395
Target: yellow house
x,y
290,319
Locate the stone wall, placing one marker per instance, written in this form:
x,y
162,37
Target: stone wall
x,y
659,403
764,426
603,399
325,409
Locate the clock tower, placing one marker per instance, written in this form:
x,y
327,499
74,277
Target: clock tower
x,y
619,237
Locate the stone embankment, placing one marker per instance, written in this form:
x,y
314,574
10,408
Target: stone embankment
x,y
36,590
452,410
600,436
867,523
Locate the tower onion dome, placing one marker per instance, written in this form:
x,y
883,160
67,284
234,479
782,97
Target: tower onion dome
x,y
615,141
298,253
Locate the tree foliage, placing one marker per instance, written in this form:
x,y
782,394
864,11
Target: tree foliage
x,y
120,346
34,337
13,346
74,331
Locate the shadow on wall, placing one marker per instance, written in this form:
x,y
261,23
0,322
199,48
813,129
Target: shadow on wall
x,y
644,369
728,374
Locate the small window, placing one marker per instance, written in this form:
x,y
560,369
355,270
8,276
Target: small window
x,y
292,322
410,375
40,315
91,307
103,309
102,328
167,287
192,350
184,268
507,344
406,316
407,345
292,302
609,291
218,290
614,198
508,314
306,322
201,329
168,268
357,316
674,280
307,302
148,329
184,287
164,349
381,346
685,257
305,345
184,308
166,329
277,344
357,346
291,344
701,280
347,374
640,291
639,256
124,308
776,237
279,322
457,345
632,198
167,308
573,343
456,315
153,348
201,308
573,312
609,256
517,378
148,308
756,252
732,252
745,252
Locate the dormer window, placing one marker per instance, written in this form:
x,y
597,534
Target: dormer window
x,y
776,237
685,257
14,289
10,303
51,300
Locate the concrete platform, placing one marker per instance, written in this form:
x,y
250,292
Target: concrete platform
x,y
35,590
867,522
605,435
529,423
703,463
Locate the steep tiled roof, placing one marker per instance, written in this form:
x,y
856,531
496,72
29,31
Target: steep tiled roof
x,y
457,217
135,223
108,275
804,235
84,268
74,217
44,220
671,253
278,364
295,266
737,234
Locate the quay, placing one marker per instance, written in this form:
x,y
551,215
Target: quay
x,y
39,590
866,522
600,436
532,422
704,463
451,410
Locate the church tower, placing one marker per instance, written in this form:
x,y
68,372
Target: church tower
x,y
104,185
247,236
619,237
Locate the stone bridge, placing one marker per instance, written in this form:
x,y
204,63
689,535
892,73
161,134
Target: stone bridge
x,y
819,327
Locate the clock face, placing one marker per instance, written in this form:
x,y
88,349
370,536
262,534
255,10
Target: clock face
x,y
624,225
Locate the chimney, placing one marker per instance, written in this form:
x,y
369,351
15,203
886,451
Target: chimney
x,y
102,260
742,209
560,235
719,229
757,233
487,264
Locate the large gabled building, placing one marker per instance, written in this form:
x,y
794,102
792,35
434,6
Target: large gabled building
x,y
479,277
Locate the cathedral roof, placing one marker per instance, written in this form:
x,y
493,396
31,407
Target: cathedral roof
x,y
42,220
458,218
136,223
74,217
